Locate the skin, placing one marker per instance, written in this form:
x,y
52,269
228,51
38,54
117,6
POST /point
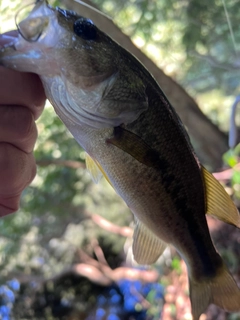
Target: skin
x,y
22,99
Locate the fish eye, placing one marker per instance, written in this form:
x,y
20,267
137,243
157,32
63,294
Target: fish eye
x,y
85,29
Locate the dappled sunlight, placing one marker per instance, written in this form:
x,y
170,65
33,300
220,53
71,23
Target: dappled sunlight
x,y
67,253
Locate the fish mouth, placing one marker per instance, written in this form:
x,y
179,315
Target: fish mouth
x,y
32,20
38,34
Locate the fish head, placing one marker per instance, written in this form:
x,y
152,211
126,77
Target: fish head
x,y
86,75
55,41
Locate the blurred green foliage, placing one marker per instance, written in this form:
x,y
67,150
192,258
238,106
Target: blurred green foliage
x,y
191,41
231,158
176,264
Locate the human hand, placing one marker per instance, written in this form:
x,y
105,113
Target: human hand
x,y
22,99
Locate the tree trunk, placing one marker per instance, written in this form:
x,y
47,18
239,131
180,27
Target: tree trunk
x,y
209,142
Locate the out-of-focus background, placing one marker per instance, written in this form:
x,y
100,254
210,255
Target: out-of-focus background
x,y
66,254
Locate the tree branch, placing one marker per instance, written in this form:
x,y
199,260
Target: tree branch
x,y
214,62
64,163
95,271
226,174
110,227
98,252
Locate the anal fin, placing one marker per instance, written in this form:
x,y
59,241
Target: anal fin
x,y
219,203
147,247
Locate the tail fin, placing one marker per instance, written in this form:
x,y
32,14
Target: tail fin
x,y
221,290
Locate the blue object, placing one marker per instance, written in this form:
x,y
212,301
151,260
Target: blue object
x,y
9,295
113,317
14,284
4,310
100,313
116,298
7,298
101,300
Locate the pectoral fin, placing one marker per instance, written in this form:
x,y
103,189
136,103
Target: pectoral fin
x,y
136,147
219,203
147,248
95,169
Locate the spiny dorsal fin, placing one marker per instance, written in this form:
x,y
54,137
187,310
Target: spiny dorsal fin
x,y
95,169
147,248
219,203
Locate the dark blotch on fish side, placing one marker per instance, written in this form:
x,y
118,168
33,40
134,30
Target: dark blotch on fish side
x,y
137,148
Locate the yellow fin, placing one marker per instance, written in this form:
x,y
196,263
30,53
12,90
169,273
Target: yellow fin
x,y
200,296
95,169
219,203
225,292
147,248
221,290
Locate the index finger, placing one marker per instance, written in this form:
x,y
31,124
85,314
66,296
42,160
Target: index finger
x,y
19,88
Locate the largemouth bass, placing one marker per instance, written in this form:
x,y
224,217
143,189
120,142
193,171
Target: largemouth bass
x,y
116,111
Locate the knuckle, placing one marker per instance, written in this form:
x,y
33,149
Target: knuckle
x,y
9,205
27,130
17,169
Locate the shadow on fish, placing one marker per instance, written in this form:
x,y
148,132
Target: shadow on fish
x,y
116,111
